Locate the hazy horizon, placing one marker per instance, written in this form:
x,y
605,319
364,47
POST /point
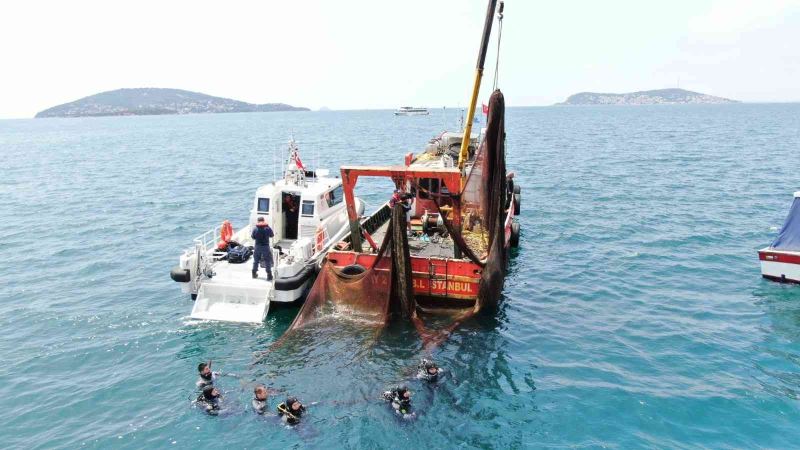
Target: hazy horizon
x,y
358,55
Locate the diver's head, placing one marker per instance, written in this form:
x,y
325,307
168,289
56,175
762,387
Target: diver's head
x,y
204,369
403,393
210,393
430,367
260,392
293,404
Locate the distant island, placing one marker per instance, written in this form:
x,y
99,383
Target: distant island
x,y
153,101
656,97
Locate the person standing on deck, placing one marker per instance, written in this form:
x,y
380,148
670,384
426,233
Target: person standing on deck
x,y
261,234
509,189
400,197
290,212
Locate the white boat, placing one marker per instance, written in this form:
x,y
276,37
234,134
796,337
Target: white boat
x,y
306,211
781,260
411,111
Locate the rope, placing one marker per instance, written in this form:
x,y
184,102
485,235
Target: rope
x,y
499,37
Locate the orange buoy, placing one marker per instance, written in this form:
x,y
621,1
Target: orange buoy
x,y
225,234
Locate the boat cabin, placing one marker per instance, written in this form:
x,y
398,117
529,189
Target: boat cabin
x,y
295,208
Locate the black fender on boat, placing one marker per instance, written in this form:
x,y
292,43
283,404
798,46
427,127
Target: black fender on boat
x,y
180,275
294,282
514,241
353,269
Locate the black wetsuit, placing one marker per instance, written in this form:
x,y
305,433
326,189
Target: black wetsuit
x,y
401,405
209,405
291,416
206,381
260,406
423,374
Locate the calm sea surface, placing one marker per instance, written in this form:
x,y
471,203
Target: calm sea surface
x,y
634,312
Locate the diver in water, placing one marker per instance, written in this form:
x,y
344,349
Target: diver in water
x,y
260,399
429,371
207,377
400,399
209,400
291,410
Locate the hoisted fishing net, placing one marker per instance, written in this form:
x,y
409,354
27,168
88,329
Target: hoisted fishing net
x,y
494,203
484,201
480,237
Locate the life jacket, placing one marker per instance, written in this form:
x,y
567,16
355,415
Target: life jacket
x,y
262,233
225,235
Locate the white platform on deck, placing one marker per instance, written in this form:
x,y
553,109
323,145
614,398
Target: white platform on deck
x,y
233,295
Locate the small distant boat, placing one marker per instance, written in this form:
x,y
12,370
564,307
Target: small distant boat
x,y
411,111
781,260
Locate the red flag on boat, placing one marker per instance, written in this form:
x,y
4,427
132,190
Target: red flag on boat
x,y
485,109
299,163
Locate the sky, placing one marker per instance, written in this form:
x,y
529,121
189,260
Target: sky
x,y
348,54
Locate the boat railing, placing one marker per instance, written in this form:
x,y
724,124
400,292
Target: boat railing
x,y
373,222
209,239
379,218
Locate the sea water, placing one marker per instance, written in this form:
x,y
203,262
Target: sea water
x,y
634,314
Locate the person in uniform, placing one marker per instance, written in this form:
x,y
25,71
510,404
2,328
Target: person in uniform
x,y
262,234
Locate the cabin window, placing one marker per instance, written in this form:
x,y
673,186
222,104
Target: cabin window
x,y
307,208
335,196
263,205
428,186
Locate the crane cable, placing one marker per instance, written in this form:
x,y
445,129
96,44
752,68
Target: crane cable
x,y
499,37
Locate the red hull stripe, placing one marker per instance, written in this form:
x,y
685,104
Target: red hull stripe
x,y
779,257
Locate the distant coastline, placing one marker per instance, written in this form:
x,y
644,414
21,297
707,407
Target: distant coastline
x,y
654,97
156,101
